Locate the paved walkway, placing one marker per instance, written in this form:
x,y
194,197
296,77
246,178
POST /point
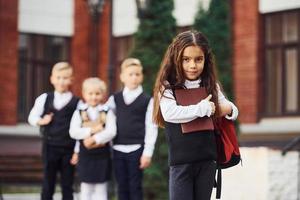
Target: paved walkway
x,y
31,196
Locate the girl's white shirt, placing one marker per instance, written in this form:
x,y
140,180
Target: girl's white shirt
x,y
151,129
79,133
174,113
59,101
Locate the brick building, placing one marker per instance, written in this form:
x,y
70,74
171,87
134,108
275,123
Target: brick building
x,y
36,34
266,68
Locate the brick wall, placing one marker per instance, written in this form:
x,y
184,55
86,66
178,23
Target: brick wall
x,y
80,50
245,58
8,61
80,45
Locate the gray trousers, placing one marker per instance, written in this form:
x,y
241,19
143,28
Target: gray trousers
x,y
192,181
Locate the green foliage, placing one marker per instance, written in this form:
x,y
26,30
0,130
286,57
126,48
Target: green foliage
x,y
156,176
154,34
215,24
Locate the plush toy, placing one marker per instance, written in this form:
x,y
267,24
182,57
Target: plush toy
x,y
86,122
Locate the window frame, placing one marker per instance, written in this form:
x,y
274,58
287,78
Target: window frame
x,y
33,66
283,47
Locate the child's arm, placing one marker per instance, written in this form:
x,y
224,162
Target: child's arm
x,y
227,108
46,119
106,135
77,131
111,103
174,113
37,110
151,132
75,157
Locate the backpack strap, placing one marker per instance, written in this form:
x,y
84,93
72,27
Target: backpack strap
x,y
218,183
83,115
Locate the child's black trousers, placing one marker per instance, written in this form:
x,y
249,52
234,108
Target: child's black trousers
x,y
128,174
57,159
193,181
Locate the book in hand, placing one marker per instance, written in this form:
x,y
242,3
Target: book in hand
x,y
193,96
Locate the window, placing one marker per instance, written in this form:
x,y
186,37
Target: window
x,y
37,54
282,53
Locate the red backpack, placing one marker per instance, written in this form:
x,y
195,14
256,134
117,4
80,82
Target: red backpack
x,y
228,152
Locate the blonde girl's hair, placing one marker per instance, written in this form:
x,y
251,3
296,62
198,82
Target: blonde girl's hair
x,y
171,74
95,81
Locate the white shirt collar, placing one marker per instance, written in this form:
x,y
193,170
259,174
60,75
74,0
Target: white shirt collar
x,y
64,94
137,90
130,95
83,106
192,84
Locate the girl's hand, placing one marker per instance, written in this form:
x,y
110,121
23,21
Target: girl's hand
x,y
145,162
46,119
74,159
212,104
89,142
225,109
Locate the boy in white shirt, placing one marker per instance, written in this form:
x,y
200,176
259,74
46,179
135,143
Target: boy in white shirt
x,y
136,133
52,111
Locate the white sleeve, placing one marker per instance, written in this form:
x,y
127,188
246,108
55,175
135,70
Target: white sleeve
x,y
234,114
76,131
174,113
222,99
109,131
111,103
151,131
77,147
37,110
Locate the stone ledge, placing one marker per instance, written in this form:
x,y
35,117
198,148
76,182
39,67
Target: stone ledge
x,y
19,130
273,126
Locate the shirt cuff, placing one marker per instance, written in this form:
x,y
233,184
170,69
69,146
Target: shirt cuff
x,y
234,113
148,152
98,138
34,122
204,108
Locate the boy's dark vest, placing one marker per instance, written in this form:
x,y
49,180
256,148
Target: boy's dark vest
x,y
101,152
189,147
57,132
131,119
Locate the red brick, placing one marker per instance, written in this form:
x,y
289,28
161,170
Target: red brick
x,y
8,61
80,49
245,59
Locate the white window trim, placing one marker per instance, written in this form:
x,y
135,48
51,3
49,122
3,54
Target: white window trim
x,y
268,6
273,126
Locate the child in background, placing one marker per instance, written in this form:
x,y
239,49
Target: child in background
x,y
52,112
94,125
136,132
188,63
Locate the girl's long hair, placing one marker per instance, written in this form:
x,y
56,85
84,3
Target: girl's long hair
x,y
171,74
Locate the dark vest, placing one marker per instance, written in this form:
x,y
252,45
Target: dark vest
x,y
101,152
57,132
131,119
189,147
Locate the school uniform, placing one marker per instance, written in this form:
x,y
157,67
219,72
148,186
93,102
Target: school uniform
x,y
94,166
58,147
192,157
136,136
